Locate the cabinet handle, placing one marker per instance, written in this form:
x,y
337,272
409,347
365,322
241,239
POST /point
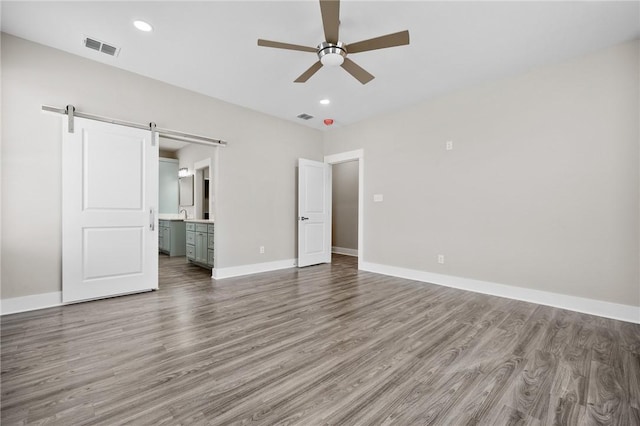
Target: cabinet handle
x,y
152,220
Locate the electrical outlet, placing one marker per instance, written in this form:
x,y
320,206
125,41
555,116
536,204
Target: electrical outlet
x,y
441,258
449,145
261,249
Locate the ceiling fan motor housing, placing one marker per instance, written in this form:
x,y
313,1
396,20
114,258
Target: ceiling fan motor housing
x,y
332,54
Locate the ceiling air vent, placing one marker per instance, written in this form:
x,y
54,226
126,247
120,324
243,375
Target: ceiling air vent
x,y
305,116
101,46
109,50
92,44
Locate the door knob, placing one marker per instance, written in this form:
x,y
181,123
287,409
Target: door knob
x,y
304,218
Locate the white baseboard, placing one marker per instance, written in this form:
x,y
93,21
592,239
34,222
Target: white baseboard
x,y
616,311
345,251
256,268
601,308
14,305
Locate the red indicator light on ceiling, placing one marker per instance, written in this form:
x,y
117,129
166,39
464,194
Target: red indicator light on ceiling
x,y
328,121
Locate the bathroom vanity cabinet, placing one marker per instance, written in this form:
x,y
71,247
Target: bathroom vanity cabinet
x,y
199,245
172,237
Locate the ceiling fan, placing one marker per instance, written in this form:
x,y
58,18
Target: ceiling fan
x,y
333,52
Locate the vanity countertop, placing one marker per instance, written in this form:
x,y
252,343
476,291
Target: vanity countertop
x,y
199,220
169,216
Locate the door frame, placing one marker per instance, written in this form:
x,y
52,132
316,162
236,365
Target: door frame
x,y
198,167
343,157
198,188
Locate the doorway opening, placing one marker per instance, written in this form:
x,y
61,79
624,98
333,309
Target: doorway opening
x,y
187,239
347,203
344,208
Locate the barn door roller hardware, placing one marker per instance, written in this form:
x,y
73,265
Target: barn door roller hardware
x,y
71,113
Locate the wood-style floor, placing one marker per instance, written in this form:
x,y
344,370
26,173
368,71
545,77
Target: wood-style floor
x,y
320,345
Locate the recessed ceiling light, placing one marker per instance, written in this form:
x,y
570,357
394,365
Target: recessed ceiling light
x,y
143,26
325,102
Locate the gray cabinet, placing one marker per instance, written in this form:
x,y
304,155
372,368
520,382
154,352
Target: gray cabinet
x,y
210,240
171,237
191,252
199,244
168,186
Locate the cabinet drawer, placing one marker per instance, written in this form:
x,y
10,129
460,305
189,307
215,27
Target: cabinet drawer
x,y
210,258
210,229
191,252
191,226
210,241
191,237
201,227
162,223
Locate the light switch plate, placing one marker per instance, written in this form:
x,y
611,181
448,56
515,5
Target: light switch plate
x,y
377,198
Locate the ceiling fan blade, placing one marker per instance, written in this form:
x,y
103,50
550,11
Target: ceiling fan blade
x,y
278,45
330,10
308,73
357,71
382,42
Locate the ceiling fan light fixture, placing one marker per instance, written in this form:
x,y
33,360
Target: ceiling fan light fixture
x,y
332,59
331,54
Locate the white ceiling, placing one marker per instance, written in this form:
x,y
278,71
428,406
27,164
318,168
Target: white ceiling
x,y
210,47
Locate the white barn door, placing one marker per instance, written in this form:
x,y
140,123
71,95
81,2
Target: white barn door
x,y
314,212
109,201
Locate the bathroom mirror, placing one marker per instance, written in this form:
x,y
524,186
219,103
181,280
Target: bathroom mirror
x,y
186,191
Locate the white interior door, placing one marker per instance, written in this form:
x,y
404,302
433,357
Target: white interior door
x,y
314,212
109,201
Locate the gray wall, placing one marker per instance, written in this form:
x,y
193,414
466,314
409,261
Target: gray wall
x,y
540,191
345,205
189,155
256,193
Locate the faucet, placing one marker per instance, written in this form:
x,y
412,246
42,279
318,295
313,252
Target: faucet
x,y
186,215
